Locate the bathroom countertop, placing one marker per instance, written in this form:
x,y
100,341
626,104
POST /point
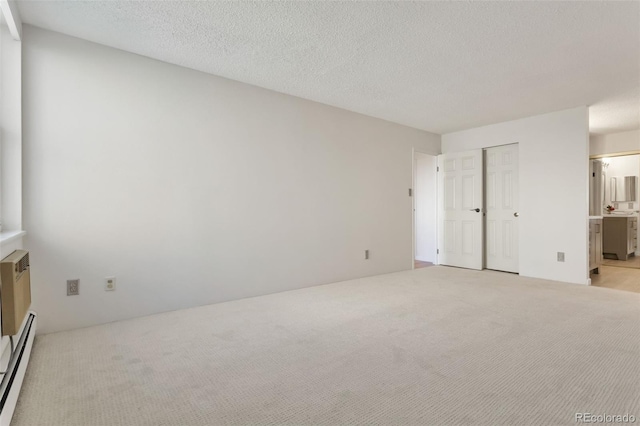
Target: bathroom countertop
x,y
595,217
629,214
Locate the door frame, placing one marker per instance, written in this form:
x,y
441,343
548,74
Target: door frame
x,y
413,205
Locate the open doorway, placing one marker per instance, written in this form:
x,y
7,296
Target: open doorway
x,y
615,198
424,209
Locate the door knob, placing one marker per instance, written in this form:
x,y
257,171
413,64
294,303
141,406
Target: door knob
x,y
475,210
516,214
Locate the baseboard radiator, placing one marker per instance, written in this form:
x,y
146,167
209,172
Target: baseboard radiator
x,y
18,324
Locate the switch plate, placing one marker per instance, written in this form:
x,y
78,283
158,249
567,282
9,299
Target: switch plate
x,y
366,254
110,284
73,287
560,256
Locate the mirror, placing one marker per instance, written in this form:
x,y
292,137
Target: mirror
x,y
624,188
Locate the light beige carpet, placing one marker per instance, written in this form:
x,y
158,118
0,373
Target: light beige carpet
x,y
433,346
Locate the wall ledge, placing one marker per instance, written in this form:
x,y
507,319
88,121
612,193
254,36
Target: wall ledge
x,y
8,236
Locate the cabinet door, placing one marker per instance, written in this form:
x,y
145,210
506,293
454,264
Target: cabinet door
x,y
598,243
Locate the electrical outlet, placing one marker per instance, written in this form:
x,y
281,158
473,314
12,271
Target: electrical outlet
x,y
110,284
366,254
560,256
73,287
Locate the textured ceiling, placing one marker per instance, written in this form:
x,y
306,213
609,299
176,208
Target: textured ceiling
x,y
438,66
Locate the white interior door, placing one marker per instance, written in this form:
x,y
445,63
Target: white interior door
x,y
460,206
502,208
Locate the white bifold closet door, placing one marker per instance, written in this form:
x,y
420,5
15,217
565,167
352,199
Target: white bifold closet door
x,y
460,207
502,208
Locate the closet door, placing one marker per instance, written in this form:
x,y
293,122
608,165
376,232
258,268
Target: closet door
x,y
502,208
460,207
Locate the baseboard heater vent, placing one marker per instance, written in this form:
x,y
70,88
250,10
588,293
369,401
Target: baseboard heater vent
x,y
14,375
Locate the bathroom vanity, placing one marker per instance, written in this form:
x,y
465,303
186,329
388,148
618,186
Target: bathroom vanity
x,y
620,236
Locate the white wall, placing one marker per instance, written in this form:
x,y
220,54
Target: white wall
x,y
425,206
554,154
194,189
614,143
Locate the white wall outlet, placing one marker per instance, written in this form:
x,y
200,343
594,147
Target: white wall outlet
x,y
73,287
110,284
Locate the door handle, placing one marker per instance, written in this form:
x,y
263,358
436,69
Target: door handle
x,y
475,210
516,214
